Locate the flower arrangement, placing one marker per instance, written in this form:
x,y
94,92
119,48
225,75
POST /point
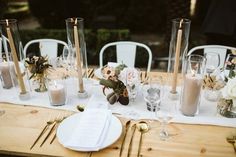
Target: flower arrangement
x,y
112,80
38,66
213,83
226,105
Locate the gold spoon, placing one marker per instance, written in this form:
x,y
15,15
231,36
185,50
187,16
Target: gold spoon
x,y
127,124
231,141
142,128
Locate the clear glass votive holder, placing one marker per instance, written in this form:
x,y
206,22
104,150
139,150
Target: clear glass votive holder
x,y
212,94
57,92
8,75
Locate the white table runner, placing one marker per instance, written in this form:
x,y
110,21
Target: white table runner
x,y
135,110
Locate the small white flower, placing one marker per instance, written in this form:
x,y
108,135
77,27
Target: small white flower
x,y
229,91
129,76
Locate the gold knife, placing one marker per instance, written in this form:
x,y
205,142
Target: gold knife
x,y
127,125
131,140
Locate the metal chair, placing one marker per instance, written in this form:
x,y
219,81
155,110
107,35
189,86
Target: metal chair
x,y
220,49
47,47
126,53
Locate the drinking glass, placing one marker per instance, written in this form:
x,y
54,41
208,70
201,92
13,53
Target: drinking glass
x,y
164,115
212,62
229,67
163,110
152,95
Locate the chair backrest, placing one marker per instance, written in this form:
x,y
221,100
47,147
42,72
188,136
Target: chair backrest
x,y
47,47
126,53
220,49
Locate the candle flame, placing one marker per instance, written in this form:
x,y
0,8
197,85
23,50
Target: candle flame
x,y
76,21
181,23
7,22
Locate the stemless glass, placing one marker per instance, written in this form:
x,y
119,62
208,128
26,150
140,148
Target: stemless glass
x,y
212,62
229,66
152,95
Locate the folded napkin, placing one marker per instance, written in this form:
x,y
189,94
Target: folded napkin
x,y
90,131
113,64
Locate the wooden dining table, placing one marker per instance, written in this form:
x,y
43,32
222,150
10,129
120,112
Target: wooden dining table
x,y
20,125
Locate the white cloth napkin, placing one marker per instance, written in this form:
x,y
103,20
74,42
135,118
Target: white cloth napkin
x,y
90,131
113,64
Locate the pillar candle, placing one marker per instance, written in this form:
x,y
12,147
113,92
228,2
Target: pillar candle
x,y
57,94
191,94
8,74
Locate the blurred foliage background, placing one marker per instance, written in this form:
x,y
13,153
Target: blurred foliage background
x,y
148,22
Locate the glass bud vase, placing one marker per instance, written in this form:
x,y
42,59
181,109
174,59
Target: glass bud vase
x,y
41,83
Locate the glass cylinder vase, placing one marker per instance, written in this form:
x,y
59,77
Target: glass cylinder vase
x,y
177,51
193,74
12,47
77,48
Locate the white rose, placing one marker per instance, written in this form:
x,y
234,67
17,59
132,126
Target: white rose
x,y
229,91
129,75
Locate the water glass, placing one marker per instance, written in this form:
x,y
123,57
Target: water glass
x,y
164,115
212,61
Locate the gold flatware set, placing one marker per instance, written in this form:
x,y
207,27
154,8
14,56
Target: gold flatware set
x,y
142,127
55,122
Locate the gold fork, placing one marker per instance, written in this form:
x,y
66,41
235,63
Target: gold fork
x,y
57,120
42,132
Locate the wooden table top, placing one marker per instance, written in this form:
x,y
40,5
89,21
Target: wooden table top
x,y
20,125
